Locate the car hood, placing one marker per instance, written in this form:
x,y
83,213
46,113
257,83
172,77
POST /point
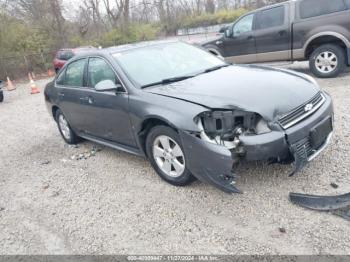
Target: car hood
x,y
267,91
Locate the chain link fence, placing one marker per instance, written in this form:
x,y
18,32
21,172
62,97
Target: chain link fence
x,y
18,66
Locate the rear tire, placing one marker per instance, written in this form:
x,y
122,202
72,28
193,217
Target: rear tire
x,y
1,96
166,154
66,132
327,61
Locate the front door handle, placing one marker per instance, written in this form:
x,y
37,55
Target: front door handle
x,y
61,94
250,37
90,100
87,100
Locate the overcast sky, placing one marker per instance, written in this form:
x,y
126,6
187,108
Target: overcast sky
x,y
72,6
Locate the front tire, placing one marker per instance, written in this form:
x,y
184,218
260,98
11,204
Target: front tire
x,y
327,61
65,130
1,96
166,154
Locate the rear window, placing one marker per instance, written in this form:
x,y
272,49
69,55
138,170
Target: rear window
x,y
65,55
270,18
312,8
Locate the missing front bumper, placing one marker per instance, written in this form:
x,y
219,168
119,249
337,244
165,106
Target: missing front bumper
x,y
209,163
213,163
310,147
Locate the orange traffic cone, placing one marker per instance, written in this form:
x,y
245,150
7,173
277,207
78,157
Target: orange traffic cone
x,y
34,88
10,86
50,73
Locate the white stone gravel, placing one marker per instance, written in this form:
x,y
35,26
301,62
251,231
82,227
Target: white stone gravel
x,y
114,203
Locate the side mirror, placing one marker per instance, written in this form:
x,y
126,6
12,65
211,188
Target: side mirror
x,y
228,32
108,85
222,30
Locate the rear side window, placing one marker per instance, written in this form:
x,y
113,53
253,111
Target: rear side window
x,y
312,8
60,78
65,55
75,73
270,18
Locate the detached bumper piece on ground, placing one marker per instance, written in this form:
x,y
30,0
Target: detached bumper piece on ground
x,y
337,205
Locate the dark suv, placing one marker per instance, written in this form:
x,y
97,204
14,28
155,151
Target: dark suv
x,y
314,30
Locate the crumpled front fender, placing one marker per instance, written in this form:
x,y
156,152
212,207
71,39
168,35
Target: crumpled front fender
x,y
209,163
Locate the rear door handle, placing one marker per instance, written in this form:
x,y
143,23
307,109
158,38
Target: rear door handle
x,y
250,37
61,94
83,100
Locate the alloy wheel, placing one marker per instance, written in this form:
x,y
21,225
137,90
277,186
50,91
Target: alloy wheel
x,y
326,62
65,129
168,156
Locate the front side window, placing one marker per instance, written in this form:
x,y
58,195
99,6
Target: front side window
x,y
244,25
99,71
270,18
152,64
312,8
75,73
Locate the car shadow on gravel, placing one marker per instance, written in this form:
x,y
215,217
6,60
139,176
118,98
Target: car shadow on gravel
x,y
250,176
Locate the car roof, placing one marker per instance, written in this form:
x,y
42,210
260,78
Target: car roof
x,y
127,47
122,48
80,48
273,5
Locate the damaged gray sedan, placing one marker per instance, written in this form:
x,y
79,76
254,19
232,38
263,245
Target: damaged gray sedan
x,y
191,114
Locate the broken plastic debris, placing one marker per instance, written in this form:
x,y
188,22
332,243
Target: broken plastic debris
x,y
338,205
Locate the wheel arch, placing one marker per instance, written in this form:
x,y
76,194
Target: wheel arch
x,y
213,50
145,127
325,38
54,111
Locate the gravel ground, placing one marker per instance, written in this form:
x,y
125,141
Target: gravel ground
x,y
114,203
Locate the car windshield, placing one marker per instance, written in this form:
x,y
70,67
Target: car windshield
x,y
165,63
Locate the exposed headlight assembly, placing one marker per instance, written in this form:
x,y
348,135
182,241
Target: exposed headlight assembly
x,y
225,127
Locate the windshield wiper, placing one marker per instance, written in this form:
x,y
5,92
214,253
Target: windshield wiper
x,y
169,80
214,68
181,78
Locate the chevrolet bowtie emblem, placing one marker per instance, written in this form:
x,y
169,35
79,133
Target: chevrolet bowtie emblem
x,y
308,107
